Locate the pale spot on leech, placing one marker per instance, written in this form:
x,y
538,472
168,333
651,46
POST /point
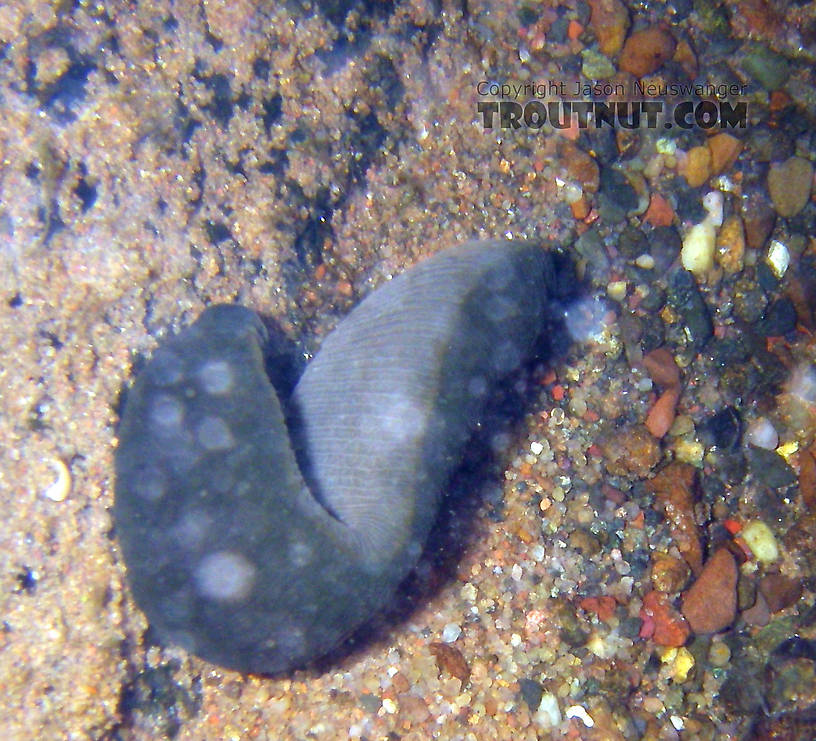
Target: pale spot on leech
x,y
167,413
214,434
216,377
225,576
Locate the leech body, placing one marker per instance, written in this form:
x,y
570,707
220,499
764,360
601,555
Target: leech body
x,y
228,551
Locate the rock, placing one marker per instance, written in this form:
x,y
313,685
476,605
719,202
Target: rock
x,y
581,166
779,319
697,255
730,245
675,492
661,415
807,477
616,186
664,246
660,212
724,150
770,468
645,51
669,574
769,69
450,659
778,258
662,368
685,298
758,217
762,434
761,541
603,606
596,66
697,166
758,614
780,591
710,604
629,451
661,622
789,185
609,20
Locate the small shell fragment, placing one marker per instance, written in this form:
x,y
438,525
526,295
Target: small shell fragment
x,y
58,491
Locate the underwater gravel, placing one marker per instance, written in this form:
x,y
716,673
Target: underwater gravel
x,y
155,159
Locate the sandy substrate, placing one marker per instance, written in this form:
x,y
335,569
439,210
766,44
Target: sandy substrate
x,y
158,157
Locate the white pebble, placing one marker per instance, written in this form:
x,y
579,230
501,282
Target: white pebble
x,y
645,261
536,448
697,255
576,711
759,538
616,290
666,145
713,204
548,714
450,633
778,258
762,434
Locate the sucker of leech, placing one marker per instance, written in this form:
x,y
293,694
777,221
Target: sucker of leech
x,y
228,552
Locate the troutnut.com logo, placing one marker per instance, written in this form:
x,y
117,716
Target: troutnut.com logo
x,y
645,112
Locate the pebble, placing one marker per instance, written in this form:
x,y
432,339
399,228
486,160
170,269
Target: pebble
x,y
645,51
710,604
762,434
758,216
451,660
759,538
609,20
780,591
789,184
596,66
719,654
661,622
451,632
616,187
697,255
631,450
680,662
779,319
758,614
669,574
724,150
664,244
661,415
685,298
731,245
531,692
674,490
660,212
769,69
548,714
778,258
616,290
713,203
770,468
697,166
